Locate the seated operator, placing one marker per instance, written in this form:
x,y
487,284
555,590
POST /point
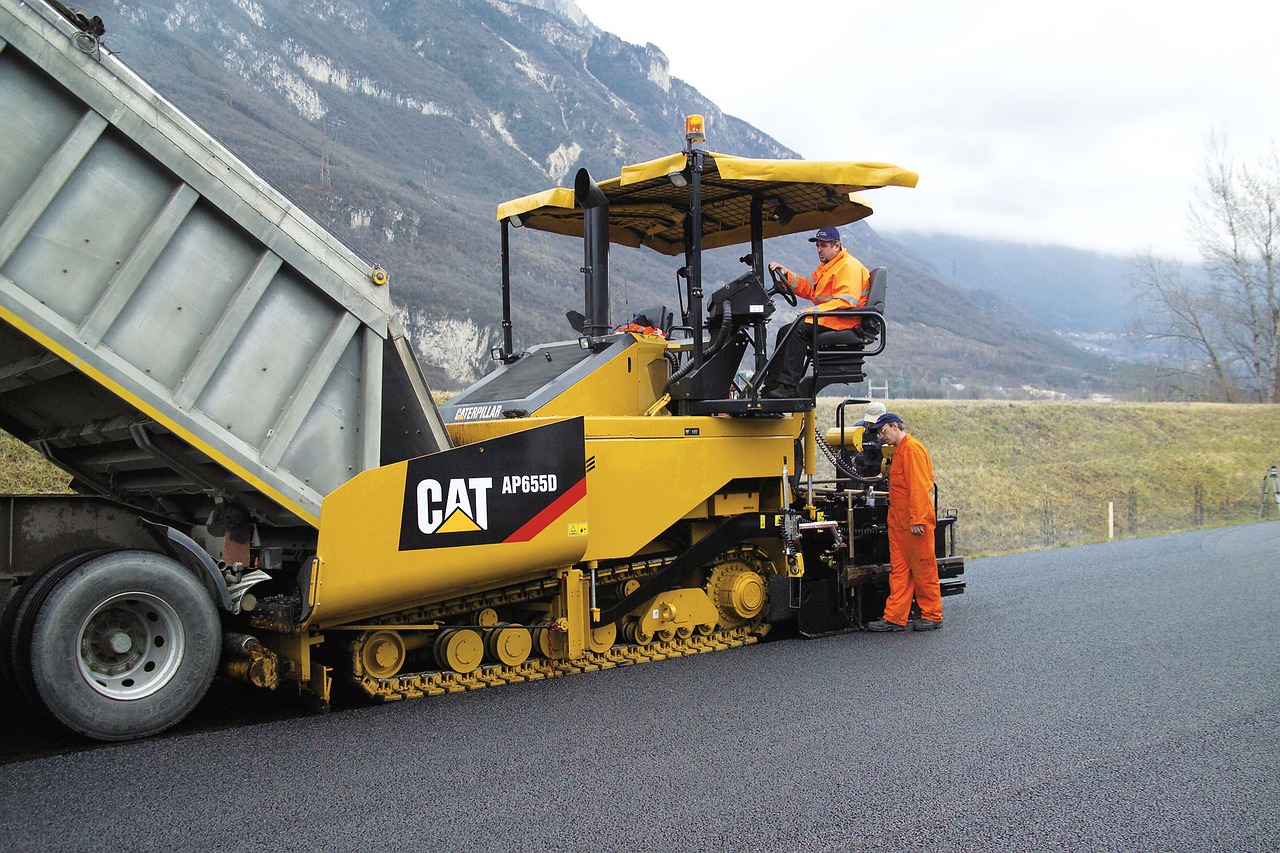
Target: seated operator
x,y
840,281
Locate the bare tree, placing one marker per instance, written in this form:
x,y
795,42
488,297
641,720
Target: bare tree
x,y
1226,312
1183,318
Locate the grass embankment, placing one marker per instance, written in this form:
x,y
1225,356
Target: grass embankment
x,y
1025,476
24,471
1031,475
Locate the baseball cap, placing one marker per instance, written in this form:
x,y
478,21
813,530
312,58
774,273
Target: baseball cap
x,y
874,410
827,234
886,418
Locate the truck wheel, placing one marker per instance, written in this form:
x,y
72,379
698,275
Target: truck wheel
x,y
18,622
125,646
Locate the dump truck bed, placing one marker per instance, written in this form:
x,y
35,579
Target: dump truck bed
x,y
174,328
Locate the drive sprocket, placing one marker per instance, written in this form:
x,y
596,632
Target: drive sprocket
x,y
738,586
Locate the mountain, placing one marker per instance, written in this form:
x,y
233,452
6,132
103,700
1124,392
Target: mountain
x,y
1070,290
402,124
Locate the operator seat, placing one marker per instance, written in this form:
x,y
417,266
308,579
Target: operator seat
x,y
659,317
839,356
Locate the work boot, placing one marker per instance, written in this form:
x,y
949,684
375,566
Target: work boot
x,y
925,625
885,625
782,392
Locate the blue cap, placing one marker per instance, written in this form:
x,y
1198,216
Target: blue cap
x,y
827,234
886,418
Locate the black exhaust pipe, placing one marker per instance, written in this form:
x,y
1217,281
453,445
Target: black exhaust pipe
x,y
595,250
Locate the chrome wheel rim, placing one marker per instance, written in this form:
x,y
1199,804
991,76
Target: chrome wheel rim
x,y
130,646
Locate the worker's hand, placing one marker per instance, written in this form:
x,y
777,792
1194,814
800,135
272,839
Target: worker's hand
x,y
917,530
774,265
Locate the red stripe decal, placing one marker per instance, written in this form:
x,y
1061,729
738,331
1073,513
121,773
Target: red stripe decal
x,y
554,510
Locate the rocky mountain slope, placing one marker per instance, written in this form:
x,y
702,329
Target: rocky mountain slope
x,y
402,124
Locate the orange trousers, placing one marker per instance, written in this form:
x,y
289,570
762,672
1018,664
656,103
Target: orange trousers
x,y
913,573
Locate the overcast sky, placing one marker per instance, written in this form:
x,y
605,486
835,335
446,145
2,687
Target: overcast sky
x,y
1082,124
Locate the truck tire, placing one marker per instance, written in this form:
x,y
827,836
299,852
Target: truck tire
x,y
125,646
18,622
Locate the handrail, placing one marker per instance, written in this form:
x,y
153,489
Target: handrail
x,y
754,385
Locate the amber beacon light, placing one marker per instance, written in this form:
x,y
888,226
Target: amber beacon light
x,y
693,131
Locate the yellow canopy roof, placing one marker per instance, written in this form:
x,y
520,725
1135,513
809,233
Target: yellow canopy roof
x,y
646,209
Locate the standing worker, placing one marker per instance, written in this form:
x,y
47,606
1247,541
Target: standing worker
x,y
840,281
912,520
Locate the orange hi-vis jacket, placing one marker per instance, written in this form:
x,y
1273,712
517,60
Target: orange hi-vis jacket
x,y
842,282
911,486
648,331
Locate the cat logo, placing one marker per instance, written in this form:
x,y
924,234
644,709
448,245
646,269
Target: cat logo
x,y
503,490
461,506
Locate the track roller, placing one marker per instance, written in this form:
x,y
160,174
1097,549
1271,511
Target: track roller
x,y
638,635
460,650
508,644
382,653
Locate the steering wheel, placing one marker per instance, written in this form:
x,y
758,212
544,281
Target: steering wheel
x,y
782,286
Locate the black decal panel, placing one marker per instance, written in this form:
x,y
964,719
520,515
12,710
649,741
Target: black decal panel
x,y
507,489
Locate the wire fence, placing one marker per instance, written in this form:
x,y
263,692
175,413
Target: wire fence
x,y
1060,523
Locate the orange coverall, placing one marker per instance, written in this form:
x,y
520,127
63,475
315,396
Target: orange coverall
x,y
913,566
843,282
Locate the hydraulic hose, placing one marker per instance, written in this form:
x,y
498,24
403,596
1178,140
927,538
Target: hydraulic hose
x,y
722,338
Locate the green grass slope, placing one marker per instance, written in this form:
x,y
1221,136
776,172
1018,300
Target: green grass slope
x,y
1025,476
23,471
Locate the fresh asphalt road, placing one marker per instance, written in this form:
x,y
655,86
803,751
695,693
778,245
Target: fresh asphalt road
x,y
1121,696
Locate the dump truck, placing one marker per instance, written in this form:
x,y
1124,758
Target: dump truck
x,y
265,490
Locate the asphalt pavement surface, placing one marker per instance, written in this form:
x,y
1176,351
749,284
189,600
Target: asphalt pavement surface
x,y
1120,696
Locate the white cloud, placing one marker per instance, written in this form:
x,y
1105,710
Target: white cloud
x,y
1082,124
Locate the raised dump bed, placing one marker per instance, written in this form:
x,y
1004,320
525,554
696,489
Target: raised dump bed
x,y
176,333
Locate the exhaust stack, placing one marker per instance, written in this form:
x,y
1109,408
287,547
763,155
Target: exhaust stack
x,y
595,242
